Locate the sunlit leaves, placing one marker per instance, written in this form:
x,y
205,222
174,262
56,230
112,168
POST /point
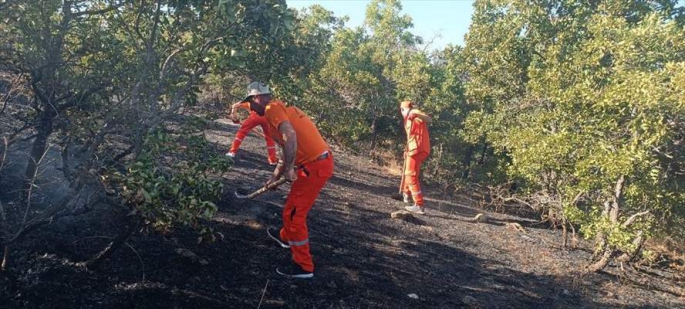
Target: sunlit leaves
x,y
599,100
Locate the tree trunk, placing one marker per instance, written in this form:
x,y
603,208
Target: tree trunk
x,y
637,243
603,261
373,132
611,211
564,232
48,78
438,161
468,157
38,149
654,283
482,154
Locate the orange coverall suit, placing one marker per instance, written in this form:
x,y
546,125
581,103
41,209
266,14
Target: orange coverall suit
x,y
315,162
418,149
252,121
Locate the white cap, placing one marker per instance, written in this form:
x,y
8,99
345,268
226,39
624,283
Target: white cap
x,y
256,88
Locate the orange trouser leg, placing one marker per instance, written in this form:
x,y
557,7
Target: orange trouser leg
x,y
245,128
303,192
270,144
412,169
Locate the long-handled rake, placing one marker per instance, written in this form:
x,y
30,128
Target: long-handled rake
x,y
399,195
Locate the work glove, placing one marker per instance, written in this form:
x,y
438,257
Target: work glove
x,y
411,117
235,120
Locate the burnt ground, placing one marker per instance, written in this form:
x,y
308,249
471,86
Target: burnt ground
x,y
364,258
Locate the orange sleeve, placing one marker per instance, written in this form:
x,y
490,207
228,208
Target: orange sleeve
x,y
418,112
236,106
275,115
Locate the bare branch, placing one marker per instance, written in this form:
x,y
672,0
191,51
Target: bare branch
x,y
2,215
518,200
140,259
126,152
31,186
36,76
263,293
209,44
11,139
634,217
638,241
9,92
28,138
79,98
166,62
153,33
614,206
37,222
577,198
54,212
603,261
5,4
5,149
101,11
618,191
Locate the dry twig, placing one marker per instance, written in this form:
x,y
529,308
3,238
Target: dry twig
x,y
263,293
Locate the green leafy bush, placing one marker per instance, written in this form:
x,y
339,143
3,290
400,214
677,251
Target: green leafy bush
x,y
174,181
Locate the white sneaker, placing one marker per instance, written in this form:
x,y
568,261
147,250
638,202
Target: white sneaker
x,y
416,209
406,198
230,155
275,235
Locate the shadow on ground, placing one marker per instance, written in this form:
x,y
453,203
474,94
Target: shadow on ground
x,y
364,259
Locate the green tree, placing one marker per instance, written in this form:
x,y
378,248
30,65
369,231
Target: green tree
x,y
109,80
367,72
452,154
594,114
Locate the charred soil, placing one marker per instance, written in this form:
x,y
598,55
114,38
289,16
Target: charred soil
x,y
364,258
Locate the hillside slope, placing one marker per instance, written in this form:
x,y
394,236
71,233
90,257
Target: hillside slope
x,y
364,258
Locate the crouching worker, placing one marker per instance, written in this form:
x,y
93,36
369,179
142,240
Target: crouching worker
x,y
306,161
252,121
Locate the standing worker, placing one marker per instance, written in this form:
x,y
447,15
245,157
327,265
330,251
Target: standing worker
x,y
304,149
252,121
417,150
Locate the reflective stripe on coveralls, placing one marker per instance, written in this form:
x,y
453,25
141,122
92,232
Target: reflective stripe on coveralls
x,y
311,178
418,149
316,167
411,177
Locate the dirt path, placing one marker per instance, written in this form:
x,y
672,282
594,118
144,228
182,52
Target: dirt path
x,y
364,258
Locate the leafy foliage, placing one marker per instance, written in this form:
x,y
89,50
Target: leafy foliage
x,y
182,192
107,76
587,107
579,102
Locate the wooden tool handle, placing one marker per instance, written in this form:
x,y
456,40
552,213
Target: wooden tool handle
x,y
268,187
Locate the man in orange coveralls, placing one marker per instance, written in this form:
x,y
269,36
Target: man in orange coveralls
x,y
417,150
307,162
252,121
